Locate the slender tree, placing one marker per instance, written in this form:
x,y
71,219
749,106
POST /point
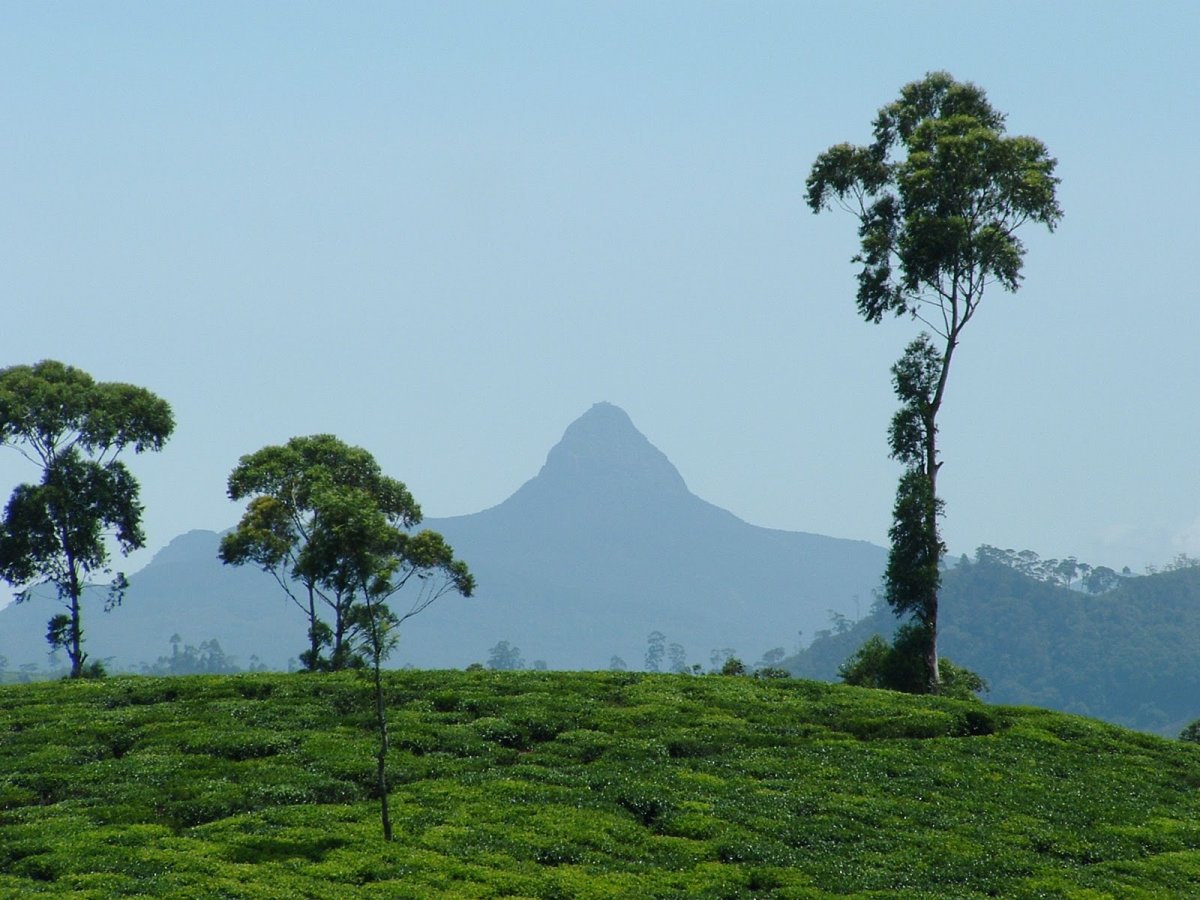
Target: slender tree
x,y
939,196
290,487
58,531
324,516
355,542
656,643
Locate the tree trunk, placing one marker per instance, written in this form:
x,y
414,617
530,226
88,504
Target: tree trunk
x,y
385,816
340,653
314,638
931,604
75,637
381,770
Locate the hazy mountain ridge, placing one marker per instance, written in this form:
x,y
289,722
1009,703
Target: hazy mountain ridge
x,y
604,545
609,520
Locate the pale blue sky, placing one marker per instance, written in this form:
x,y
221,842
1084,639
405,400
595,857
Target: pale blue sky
x,y
443,230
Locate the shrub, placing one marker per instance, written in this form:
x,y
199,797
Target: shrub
x,y
960,682
1191,733
94,670
772,672
733,666
901,667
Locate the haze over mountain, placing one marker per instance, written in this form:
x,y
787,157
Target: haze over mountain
x,y
605,545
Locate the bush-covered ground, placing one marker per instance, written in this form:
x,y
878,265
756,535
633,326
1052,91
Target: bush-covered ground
x,y
589,785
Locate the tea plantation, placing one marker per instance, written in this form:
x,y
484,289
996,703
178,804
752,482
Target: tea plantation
x,y
579,785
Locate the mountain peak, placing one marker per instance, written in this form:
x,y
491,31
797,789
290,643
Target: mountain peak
x,y
186,547
603,450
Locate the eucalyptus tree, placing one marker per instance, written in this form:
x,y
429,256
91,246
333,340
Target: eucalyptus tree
x,y
289,488
323,515
57,531
939,196
358,547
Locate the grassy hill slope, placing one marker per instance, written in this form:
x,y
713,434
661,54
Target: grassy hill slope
x,y
562,785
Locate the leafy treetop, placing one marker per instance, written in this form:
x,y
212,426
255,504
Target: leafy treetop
x,y
55,532
49,407
939,196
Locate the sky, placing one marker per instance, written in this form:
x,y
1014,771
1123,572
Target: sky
x,y
442,231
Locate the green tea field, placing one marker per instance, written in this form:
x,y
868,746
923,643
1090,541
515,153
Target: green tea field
x,y
579,785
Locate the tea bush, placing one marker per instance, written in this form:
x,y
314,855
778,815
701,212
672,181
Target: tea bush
x,y
539,784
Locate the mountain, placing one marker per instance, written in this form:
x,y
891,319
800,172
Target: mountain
x,y
184,591
1128,655
603,546
606,544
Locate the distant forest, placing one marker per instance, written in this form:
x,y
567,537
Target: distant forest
x,y
206,658
1057,634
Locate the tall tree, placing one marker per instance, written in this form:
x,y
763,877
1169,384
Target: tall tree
x,y
357,545
939,196
57,531
290,488
505,657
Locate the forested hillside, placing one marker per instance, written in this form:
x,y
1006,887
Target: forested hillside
x,y
1128,655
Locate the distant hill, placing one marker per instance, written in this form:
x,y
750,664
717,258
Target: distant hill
x,y
605,545
1130,656
184,591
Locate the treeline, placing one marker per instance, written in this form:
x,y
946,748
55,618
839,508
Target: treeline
x,y
1068,572
661,656
205,658
1126,656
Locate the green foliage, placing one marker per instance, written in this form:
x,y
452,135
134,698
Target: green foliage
x,y
733,666
911,580
915,379
1065,572
939,196
56,531
869,666
578,785
772,672
326,516
960,682
333,531
897,667
300,494
913,573
208,658
94,669
900,666
1127,655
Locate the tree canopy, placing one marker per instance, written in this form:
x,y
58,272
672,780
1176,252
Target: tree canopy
x,y
322,514
939,196
332,529
56,531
